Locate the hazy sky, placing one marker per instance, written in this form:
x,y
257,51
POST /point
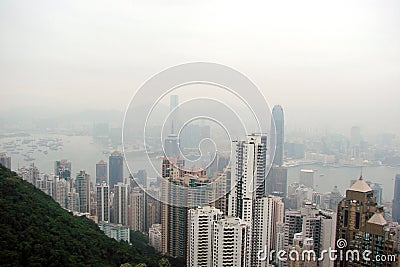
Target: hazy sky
x,y
333,60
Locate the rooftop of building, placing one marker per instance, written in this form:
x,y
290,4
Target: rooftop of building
x,y
360,186
378,219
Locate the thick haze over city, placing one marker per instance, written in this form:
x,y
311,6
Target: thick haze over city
x,y
200,133
339,57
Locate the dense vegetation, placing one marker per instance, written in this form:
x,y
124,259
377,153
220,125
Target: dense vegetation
x,y
36,231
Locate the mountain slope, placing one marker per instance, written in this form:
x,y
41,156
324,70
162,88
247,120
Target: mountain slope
x,y
36,231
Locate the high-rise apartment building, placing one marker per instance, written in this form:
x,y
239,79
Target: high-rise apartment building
x,y
137,210
309,223
248,200
116,168
62,188
120,204
182,189
248,175
277,135
268,213
355,210
103,202
82,186
301,245
29,174
221,190
298,195
155,236
153,208
230,243
361,223
73,200
201,235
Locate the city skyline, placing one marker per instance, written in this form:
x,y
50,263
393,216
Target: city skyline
x,y
207,133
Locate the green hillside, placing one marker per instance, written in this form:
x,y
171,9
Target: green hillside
x,y
36,231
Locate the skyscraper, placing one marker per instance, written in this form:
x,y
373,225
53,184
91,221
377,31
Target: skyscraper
x,y
29,174
221,188
82,186
247,200
248,175
116,168
101,172
62,189
201,235
361,223
276,183
73,200
309,223
354,211
396,200
155,236
120,204
231,240
268,212
378,192
179,193
277,136
137,211
62,168
103,202
153,208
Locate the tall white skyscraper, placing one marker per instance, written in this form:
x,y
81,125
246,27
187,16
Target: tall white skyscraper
x,y
120,204
103,202
201,235
230,243
268,213
247,200
248,175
